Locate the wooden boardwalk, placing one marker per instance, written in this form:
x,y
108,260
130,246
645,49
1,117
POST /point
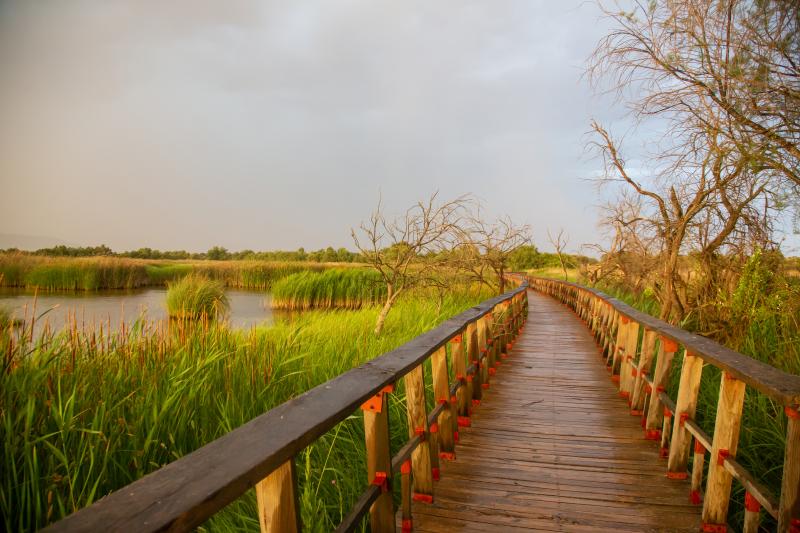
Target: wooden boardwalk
x,y
553,448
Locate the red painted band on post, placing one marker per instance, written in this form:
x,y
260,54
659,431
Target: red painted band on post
x,y
792,413
405,468
652,434
751,504
714,528
683,418
464,422
485,385
435,473
407,525
722,455
424,498
381,480
476,402
434,428
695,498
677,475
698,447
450,456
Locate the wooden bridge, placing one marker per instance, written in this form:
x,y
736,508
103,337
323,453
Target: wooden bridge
x,y
531,429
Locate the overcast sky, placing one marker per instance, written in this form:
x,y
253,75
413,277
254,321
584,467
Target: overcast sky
x,y
263,125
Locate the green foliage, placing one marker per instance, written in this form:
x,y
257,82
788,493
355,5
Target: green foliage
x,y
530,258
79,419
336,288
196,297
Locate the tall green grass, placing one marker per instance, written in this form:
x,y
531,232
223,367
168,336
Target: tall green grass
x,y
83,413
195,297
330,289
97,273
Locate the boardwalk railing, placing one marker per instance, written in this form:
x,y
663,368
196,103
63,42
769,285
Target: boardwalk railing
x,y
260,454
639,351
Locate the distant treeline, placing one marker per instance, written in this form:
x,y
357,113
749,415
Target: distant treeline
x,y
523,258
218,253
529,257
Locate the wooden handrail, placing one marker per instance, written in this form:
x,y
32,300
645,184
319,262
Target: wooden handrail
x,y
627,339
185,493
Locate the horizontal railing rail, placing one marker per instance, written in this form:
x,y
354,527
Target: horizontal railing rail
x,y
185,493
639,350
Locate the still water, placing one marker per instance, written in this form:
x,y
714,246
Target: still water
x,y
247,308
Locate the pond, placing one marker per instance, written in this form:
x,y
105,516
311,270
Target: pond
x,y
247,308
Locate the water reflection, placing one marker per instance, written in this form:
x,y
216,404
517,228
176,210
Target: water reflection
x,y
247,308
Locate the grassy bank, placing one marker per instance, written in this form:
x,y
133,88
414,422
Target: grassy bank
x,y
98,273
86,413
331,289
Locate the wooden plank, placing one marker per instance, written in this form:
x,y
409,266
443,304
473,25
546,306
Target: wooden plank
x,y
724,444
552,453
685,407
458,362
778,385
418,425
643,370
473,355
277,500
790,487
376,435
441,394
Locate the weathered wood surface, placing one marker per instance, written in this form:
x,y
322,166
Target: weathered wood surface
x,y
552,447
778,385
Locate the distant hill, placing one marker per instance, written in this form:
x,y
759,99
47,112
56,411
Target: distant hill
x,y
30,242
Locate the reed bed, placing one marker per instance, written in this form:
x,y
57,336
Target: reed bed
x,y
330,289
85,412
194,297
100,273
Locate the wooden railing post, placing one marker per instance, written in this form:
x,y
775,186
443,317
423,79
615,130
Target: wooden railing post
x,y
483,353
685,407
642,371
276,496
405,496
418,425
473,358
627,365
655,411
464,393
376,434
789,511
696,496
724,444
441,393
619,346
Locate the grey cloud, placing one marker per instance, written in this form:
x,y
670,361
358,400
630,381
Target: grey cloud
x,y
276,125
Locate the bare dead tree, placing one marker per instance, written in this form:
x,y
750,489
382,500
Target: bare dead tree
x,y
559,242
730,65
411,250
485,247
